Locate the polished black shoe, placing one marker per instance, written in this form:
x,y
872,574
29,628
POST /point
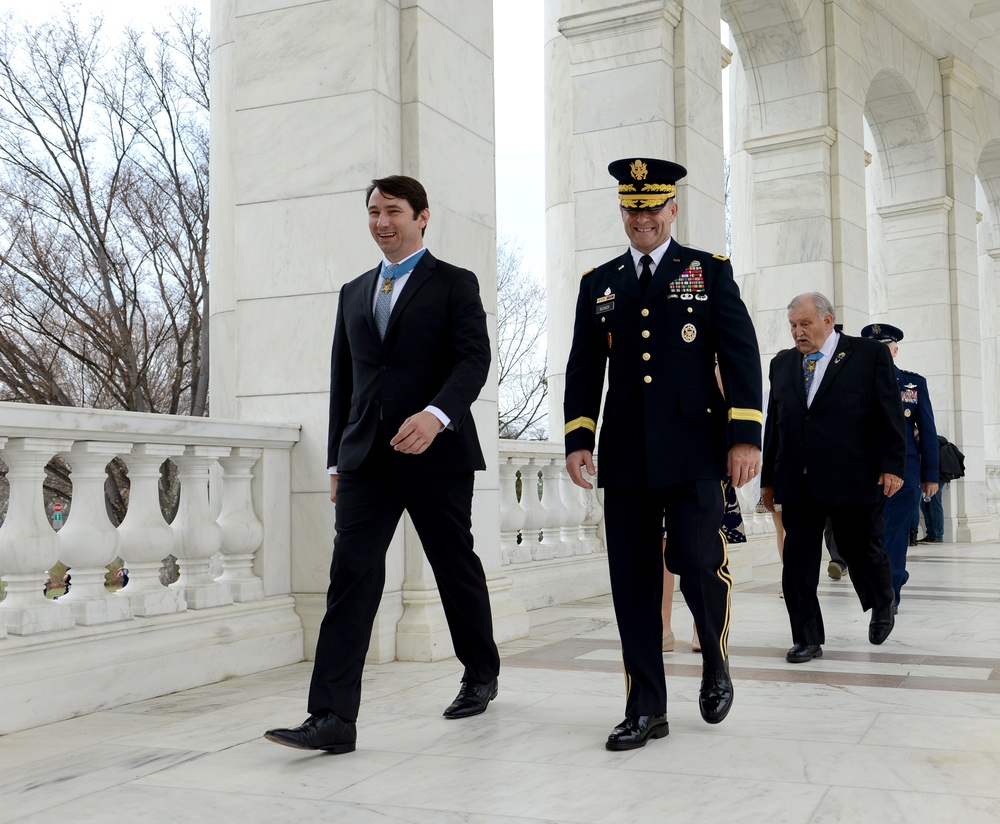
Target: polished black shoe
x,y
800,653
716,697
883,620
926,540
636,730
472,699
913,537
327,732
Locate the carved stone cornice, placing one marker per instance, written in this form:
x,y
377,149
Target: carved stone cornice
x,y
620,18
818,136
915,207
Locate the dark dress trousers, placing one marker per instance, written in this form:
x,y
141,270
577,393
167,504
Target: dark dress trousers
x,y
436,352
665,435
824,460
922,457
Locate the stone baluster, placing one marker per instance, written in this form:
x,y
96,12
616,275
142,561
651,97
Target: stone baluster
x,y
242,531
89,542
198,535
576,510
28,545
556,515
534,514
146,538
595,511
512,516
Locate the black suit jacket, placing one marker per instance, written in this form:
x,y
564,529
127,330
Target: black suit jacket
x,y
665,420
436,352
852,432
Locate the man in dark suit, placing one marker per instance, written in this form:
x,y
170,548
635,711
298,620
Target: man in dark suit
x,y
655,319
410,355
834,446
922,457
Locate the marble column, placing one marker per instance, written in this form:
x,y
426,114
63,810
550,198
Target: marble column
x,y
960,83
88,542
792,233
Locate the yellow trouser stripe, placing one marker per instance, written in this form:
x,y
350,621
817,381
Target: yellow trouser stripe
x,y
754,415
727,579
581,423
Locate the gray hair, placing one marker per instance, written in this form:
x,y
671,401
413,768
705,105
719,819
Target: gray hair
x,y
822,303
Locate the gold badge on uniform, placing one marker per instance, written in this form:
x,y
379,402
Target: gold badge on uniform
x,y
906,412
688,333
639,170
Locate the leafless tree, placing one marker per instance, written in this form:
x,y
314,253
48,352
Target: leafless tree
x,y
104,215
523,390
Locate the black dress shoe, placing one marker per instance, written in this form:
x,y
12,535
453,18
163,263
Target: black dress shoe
x,y
883,620
913,537
472,699
800,653
636,730
327,732
716,696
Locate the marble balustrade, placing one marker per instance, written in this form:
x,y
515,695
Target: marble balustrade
x,y
993,488
230,610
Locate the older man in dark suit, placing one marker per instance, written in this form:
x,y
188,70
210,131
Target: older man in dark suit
x,y
410,354
834,446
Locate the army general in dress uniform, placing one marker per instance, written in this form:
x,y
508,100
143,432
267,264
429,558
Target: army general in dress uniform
x,y
655,319
922,457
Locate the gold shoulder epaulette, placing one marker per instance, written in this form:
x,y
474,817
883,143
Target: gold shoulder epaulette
x,y
591,269
721,257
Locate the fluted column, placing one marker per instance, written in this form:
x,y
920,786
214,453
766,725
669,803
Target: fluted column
x,y
28,545
242,531
88,541
146,538
198,535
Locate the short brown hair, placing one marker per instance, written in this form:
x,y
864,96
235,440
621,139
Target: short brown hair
x,y
409,189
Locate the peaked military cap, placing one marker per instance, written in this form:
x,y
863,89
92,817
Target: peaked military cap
x,y
882,332
645,183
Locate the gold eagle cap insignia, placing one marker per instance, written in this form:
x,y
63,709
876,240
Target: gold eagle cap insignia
x,y
638,170
876,329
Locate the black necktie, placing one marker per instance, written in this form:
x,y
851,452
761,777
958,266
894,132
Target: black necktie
x,y
646,275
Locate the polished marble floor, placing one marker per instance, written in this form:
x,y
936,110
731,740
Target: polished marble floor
x,y
906,732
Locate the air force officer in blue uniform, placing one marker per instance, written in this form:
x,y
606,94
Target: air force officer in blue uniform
x,y
654,319
922,457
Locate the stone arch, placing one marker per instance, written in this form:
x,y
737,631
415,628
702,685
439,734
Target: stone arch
x,y
781,51
904,138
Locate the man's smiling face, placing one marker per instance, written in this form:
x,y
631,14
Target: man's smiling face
x,y
394,225
648,229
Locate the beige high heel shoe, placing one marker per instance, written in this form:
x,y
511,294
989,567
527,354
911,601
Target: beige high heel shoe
x,y
668,642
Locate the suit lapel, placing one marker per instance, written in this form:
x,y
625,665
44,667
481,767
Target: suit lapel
x,y
418,277
371,279
835,367
624,277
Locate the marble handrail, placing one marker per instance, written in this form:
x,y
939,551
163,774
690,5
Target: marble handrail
x,y
234,484
543,515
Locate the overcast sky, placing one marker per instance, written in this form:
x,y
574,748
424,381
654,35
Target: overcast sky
x,y
519,105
